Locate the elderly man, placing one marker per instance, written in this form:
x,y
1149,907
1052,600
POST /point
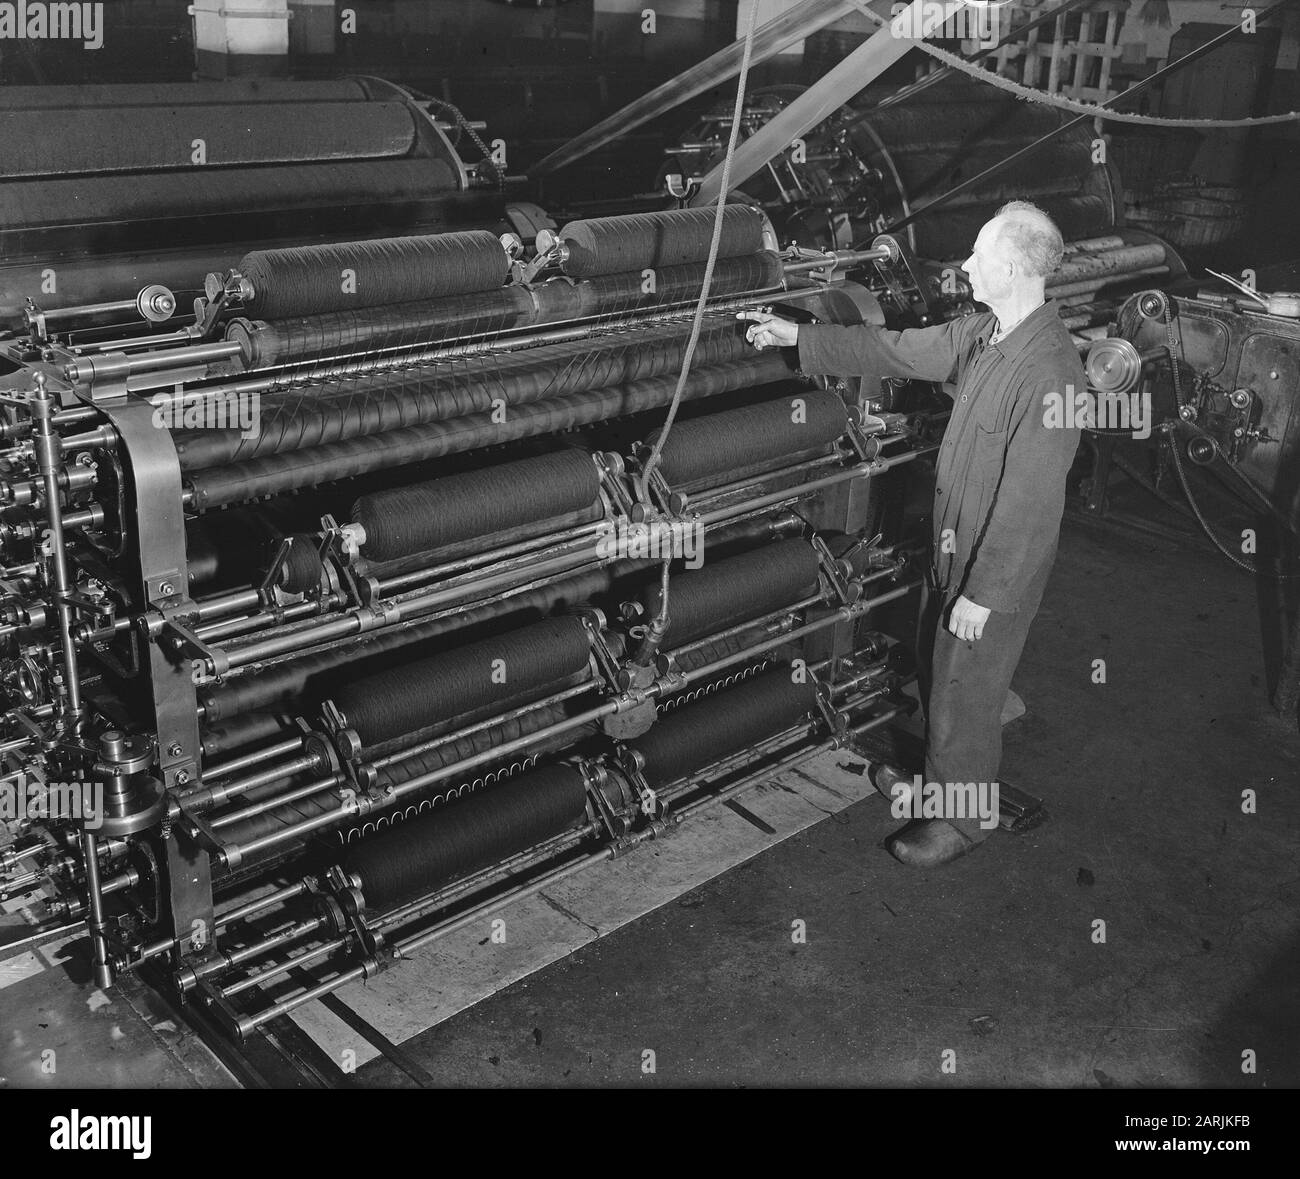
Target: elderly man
x,y
998,498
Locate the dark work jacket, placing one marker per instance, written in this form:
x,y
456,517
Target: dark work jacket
x,y
1000,475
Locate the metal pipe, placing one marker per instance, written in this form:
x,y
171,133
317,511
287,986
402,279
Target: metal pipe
x,y
400,581
251,908
269,804
152,361
226,768
95,924
190,976
216,795
324,950
49,462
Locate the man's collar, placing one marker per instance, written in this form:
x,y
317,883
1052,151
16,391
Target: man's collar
x,y
1016,340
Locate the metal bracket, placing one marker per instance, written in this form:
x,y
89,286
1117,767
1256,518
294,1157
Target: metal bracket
x,y
161,562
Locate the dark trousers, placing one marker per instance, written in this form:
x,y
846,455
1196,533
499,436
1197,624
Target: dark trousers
x,y
963,686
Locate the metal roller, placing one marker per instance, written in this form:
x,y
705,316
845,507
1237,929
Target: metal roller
x,y
305,280
610,245
704,446
316,414
241,482
233,92
231,704
280,686
410,324
428,516
687,739
489,825
33,204
724,593
504,667
136,139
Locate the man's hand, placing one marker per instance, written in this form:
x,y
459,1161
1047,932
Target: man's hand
x,y
966,619
770,331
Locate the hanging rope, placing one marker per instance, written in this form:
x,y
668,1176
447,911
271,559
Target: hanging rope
x,y
653,460
1078,107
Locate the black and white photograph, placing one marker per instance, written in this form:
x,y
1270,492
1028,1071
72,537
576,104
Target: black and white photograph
x,y
651,545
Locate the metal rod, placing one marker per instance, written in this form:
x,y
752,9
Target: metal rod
x,y
190,977
49,462
251,908
226,768
269,804
220,794
95,925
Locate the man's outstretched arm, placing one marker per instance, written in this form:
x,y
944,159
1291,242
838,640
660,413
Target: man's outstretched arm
x,y
924,354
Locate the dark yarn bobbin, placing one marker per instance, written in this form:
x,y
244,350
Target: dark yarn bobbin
x,y
707,446
610,245
427,516
714,727
404,699
307,280
433,849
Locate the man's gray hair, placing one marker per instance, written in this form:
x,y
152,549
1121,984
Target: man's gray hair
x,y
1033,235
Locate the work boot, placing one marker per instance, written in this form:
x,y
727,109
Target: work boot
x,y
929,843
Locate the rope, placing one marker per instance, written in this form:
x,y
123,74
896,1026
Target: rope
x,y
1033,94
653,460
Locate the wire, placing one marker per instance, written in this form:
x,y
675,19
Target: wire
x,y
1241,563
652,461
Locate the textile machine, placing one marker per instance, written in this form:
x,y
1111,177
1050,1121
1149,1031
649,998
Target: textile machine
x,y
383,591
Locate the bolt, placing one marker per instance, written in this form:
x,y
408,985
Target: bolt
x,y
174,749
182,776
166,589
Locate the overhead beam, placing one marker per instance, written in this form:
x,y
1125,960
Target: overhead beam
x,y
825,96
778,34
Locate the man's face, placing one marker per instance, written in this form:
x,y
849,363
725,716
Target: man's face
x,y
989,266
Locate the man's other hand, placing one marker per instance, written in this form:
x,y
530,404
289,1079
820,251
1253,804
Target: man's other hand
x,y
770,331
966,619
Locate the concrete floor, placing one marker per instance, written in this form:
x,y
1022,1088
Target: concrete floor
x,y
992,959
